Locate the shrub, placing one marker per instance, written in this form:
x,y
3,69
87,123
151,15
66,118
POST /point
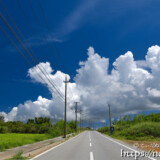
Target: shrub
x,y
3,129
144,129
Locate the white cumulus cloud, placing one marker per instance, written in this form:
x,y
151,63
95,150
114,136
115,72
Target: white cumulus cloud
x,y
129,87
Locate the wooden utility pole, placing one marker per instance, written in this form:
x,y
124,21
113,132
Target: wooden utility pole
x,y
110,117
80,111
65,109
76,103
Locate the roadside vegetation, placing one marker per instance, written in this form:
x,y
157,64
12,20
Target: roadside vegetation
x,y
18,156
138,127
16,133
10,140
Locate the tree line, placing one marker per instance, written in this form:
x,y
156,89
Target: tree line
x,y
37,125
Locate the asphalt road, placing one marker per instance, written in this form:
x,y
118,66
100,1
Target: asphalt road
x,y
90,145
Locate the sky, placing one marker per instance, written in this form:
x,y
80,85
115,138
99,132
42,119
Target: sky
x,y
108,48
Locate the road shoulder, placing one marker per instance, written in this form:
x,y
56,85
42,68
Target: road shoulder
x,y
31,150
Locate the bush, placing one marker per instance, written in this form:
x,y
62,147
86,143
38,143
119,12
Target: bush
x,y
3,129
143,129
104,130
140,130
137,127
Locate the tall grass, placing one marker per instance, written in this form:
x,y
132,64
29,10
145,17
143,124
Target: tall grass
x,y
138,131
13,139
145,129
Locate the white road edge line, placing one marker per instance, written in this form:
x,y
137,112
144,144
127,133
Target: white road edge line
x,y
90,144
122,145
91,156
55,146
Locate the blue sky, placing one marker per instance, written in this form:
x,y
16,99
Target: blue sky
x,y
112,27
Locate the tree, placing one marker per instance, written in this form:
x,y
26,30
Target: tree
x,y
30,121
72,125
1,118
41,120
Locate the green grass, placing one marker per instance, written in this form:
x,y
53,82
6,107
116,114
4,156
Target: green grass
x,y
18,156
139,127
140,131
11,140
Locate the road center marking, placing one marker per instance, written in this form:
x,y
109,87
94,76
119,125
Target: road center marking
x,y
89,137
90,144
91,156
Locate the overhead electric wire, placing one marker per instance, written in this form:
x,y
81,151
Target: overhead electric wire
x,y
28,21
35,61
36,18
40,27
51,34
32,29
5,33
13,32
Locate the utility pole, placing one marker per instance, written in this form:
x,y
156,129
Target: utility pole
x,y
76,103
80,111
65,109
90,124
83,120
110,117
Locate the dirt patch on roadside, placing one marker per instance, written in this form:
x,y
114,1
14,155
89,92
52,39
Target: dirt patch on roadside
x,y
35,152
145,145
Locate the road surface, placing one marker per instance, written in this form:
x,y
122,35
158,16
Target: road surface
x,y
90,145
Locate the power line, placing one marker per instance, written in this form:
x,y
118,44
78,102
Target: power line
x,y
33,56
51,34
5,33
35,61
13,32
30,25
40,26
33,31
49,30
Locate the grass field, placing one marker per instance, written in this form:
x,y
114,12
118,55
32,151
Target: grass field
x,y
140,131
143,131
11,140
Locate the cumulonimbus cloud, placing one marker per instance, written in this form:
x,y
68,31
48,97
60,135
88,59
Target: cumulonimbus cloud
x,y
130,87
